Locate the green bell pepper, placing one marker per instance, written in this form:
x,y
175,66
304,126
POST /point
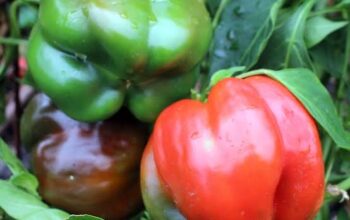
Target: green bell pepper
x,y
93,56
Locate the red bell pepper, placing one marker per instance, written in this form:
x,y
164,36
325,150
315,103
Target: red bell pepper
x,y
251,151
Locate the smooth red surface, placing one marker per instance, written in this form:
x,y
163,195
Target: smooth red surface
x,y
300,191
250,152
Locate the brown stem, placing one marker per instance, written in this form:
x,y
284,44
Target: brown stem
x,y
16,121
26,95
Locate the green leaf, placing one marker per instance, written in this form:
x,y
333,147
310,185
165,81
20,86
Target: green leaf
x,y
344,3
328,59
286,47
27,182
83,217
329,56
308,89
318,28
21,177
242,33
21,205
10,159
342,215
320,4
223,74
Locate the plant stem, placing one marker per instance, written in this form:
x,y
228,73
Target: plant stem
x,y
330,164
11,41
15,31
218,13
340,92
11,56
11,50
326,147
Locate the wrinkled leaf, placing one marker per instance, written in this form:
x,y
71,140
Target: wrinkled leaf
x,y
242,33
308,89
21,205
286,47
21,177
318,28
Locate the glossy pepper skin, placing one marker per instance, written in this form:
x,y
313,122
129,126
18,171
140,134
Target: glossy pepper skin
x,y
250,152
85,168
93,56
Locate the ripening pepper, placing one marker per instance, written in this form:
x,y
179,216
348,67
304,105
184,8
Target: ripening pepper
x,y
85,168
92,56
251,151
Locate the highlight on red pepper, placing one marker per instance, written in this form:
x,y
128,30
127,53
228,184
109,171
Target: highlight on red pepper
x,y
85,168
251,151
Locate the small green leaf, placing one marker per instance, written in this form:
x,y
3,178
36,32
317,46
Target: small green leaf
x,y
83,217
21,177
21,205
27,182
286,47
10,159
223,74
318,28
308,89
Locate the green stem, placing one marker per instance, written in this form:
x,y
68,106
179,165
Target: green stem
x,y
330,164
12,41
15,33
217,16
326,147
345,69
